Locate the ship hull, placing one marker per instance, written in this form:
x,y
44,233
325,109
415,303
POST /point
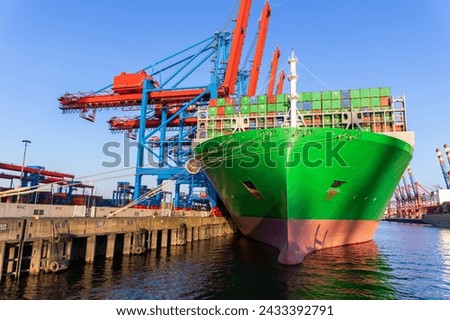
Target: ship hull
x,y
305,189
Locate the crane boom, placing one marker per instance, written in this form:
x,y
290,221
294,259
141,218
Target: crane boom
x,y
445,173
273,71
281,82
234,59
259,51
413,183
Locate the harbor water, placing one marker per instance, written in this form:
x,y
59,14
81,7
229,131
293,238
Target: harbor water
x,y
405,261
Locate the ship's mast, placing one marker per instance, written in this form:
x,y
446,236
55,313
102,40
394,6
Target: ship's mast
x,y
293,95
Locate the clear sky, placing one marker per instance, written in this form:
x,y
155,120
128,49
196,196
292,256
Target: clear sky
x,y
49,48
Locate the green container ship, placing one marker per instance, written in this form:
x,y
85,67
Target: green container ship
x,y
303,180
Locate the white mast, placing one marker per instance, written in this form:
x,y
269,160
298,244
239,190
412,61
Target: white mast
x,y
293,95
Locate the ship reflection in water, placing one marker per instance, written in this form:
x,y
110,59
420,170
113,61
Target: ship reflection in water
x,y
404,262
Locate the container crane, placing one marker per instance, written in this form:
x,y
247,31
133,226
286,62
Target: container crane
x,y
34,175
445,172
259,51
167,119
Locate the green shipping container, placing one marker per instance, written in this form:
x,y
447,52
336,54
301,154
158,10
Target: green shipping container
x,y
356,103
317,105
282,98
245,101
316,96
326,95
245,109
281,107
375,92
262,99
221,102
335,95
271,107
306,96
212,112
253,108
336,104
229,111
326,104
365,103
355,94
365,93
385,92
375,102
262,109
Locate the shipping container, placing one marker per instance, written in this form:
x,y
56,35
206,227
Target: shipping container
x,y
335,95
345,94
356,103
336,104
365,102
385,101
316,96
221,102
345,103
317,105
212,112
307,105
281,107
282,98
326,104
355,94
262,99
385,92
306,96
245,101
262,109
229,102
375,102
375,92
213,103
271,107
253,108
365,93
326,95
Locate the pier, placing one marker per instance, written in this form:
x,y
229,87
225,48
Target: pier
x,y
50,244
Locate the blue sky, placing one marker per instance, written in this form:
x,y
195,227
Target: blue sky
x,y
49,48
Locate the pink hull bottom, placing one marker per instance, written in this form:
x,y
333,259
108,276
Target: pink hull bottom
x,y
297,238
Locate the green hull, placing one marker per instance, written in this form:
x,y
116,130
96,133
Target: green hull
x,y
265,177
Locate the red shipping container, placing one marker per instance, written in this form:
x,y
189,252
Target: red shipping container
x,y
220,111
229,102
385,101
272,99
213,102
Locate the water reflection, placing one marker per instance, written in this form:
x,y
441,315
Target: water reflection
x,y
444,250
402,263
